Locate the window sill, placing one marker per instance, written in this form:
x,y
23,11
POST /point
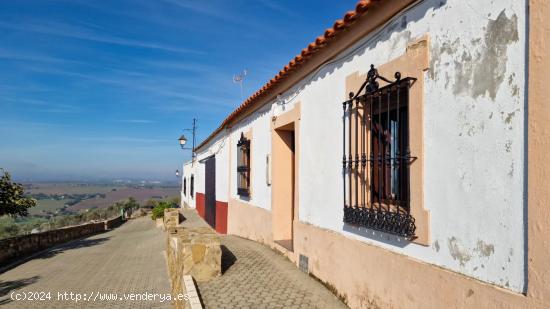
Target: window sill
x,y
243,192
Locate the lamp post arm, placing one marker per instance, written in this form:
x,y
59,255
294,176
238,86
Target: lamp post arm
x,y
194,131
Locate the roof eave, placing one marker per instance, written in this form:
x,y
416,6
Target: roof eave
x,y
345,32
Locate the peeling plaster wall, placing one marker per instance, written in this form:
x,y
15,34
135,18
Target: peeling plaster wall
x,y
474,143
473,137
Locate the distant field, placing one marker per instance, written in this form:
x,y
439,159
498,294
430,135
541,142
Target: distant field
x,y
69,188
54,196
47,205
113,193
122,193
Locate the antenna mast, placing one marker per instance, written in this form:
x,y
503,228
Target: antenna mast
x,y
239,79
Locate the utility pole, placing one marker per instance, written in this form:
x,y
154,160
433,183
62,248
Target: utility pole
x,y
194,129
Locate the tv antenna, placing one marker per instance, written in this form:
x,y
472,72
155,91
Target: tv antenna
x,y
239,79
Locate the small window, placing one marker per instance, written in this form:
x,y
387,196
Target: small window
x,y
192,186
185,186
377,156
243,166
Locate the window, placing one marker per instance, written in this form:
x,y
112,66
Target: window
x,y
192,186
243,166
377,156
185,186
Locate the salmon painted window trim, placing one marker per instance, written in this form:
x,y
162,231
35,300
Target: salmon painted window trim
x,y
377,157
243,166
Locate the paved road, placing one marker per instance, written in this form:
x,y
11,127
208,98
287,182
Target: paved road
x,y
254,276
128,259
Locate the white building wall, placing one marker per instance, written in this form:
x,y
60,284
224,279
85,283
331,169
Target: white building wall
x,y
473,137
188,170
260,125
219,149
474,129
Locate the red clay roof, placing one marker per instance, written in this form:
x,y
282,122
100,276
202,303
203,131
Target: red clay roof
x,y
321,41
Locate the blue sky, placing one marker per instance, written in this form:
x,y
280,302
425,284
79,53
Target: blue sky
x,y
103,89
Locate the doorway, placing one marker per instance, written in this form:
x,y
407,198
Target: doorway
x,y
283,175
210,191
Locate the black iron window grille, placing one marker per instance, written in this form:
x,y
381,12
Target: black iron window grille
x,y
192,186
376,156
243,166
185,186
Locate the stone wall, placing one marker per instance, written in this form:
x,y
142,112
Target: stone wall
x,y
171,218
191,249
195,252
18,247
114,222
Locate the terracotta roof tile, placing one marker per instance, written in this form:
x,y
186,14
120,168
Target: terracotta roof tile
x,y
321,41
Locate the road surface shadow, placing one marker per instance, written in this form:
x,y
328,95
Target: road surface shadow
x,y
7,286
81,243
228,259
182,218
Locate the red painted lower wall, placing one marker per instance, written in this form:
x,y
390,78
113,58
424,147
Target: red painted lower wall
x,y
221,212
200,203
221,217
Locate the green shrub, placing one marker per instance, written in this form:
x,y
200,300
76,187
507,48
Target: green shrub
x,y
151,203
176,200
8,227
131,203
158,211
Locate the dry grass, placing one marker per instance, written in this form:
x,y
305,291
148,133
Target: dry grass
x,y
47,205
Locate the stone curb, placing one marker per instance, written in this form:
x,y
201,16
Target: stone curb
x,y
191,291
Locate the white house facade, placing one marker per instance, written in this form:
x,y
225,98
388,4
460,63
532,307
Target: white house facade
x,y
414,190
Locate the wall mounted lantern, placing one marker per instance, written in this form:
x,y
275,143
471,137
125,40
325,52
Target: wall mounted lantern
x,y
183,140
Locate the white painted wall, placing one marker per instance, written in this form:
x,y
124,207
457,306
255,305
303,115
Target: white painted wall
x,y
474,143
218,148
188,170
260,124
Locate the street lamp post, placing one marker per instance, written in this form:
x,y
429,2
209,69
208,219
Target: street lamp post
x,y
183,139
178,175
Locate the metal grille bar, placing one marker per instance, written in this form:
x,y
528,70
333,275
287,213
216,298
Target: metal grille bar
x,y
376,160
243,166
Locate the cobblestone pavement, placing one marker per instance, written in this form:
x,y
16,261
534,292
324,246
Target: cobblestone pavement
x,y
128,259
255,276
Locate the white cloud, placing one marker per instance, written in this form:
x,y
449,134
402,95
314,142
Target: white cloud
x,y
71,31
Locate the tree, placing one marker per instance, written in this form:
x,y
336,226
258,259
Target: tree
x,y
131,203
12,200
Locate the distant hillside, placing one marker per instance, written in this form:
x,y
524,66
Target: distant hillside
x,y
122,193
